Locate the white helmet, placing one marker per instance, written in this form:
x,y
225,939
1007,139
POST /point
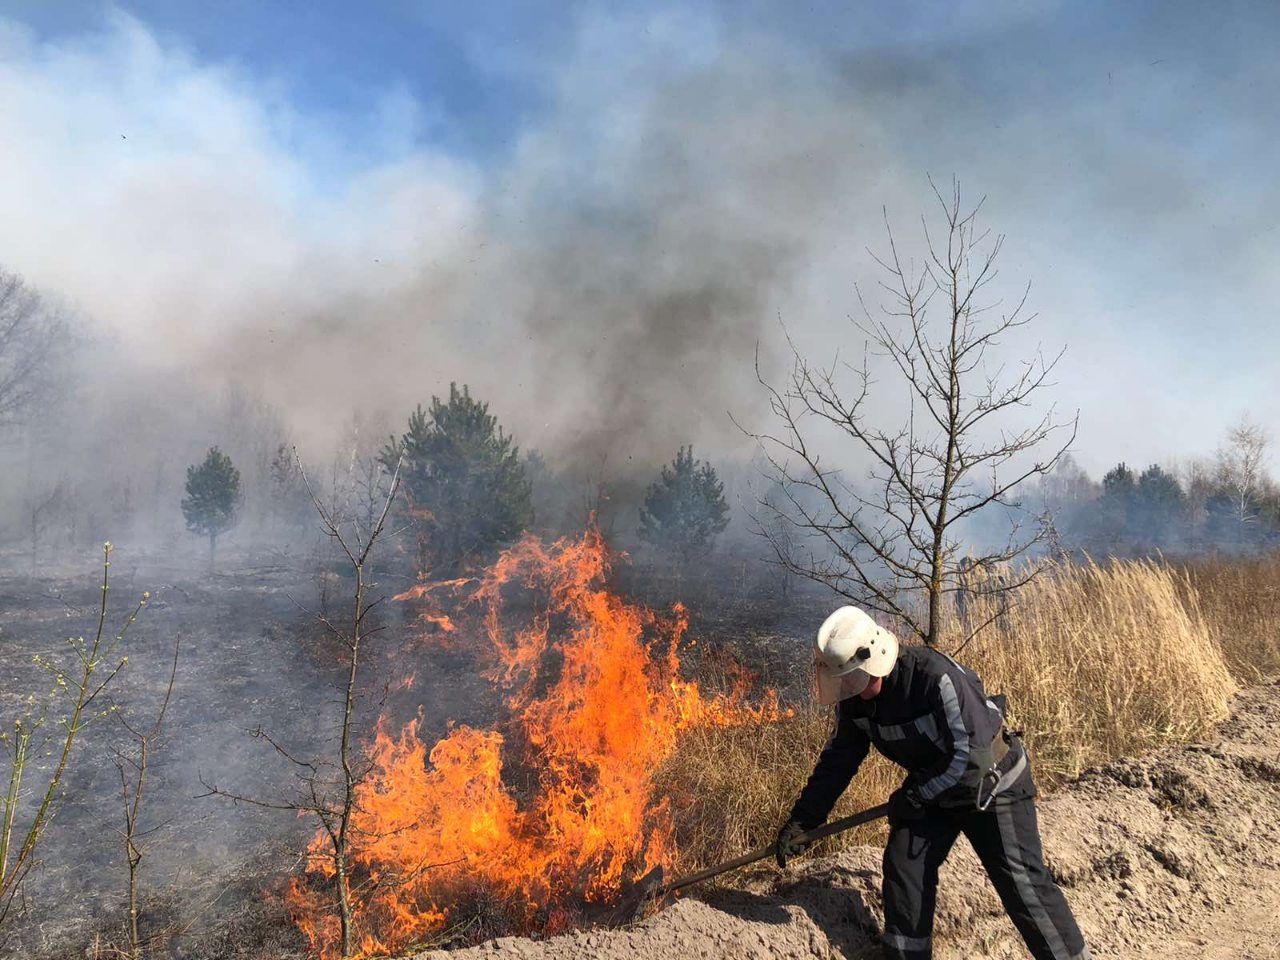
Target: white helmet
x,y
851,649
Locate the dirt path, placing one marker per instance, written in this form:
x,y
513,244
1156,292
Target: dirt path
x,y
1176,855
1248,928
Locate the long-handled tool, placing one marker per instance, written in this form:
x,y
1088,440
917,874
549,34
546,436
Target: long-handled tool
x,y
650,890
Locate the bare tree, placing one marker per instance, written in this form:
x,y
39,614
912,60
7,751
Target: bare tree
x,y
132,767
1241,469
289,502
1199,480
39,506
331,786
893,542
33,338
1067,486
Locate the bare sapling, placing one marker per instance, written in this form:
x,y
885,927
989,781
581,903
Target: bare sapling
x,y
330,787
50,729
39,507
337,821
132,767
893,540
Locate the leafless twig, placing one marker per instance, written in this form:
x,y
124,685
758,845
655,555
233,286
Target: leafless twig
x,y
132,768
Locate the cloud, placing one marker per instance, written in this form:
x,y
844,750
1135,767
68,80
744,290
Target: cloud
x,y
181,204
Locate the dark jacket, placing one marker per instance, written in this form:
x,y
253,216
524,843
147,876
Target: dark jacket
x,y
933,718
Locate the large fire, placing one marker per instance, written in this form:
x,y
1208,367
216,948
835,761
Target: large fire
x,y
549,811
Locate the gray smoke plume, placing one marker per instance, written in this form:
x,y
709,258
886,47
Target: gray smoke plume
x,y
684,182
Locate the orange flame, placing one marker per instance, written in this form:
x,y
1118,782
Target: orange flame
x,y
430,614
595,710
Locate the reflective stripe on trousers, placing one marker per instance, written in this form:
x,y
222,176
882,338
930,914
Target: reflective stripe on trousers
x,y
1006,839
897,945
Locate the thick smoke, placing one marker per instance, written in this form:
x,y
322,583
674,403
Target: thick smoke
x,y
611,282
606,287
605,283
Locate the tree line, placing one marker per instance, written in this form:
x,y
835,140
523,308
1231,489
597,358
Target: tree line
x,y
1227,502
466,491
467,486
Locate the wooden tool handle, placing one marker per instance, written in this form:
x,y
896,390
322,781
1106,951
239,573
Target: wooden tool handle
x,y
817,833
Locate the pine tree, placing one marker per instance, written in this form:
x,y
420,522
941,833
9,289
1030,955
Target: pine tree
x,y
290,503
213,494
463,480
1158,515
1118,482
685,509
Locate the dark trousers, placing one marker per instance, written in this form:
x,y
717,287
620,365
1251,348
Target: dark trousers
x,y
1006,839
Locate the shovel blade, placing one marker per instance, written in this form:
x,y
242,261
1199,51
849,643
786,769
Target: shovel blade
x,y
637,897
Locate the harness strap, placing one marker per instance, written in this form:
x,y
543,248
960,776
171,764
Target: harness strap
x,y
1007,766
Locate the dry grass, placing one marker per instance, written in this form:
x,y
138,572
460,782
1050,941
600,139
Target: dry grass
x,y
1241,598
732,788
1103,661
1098,662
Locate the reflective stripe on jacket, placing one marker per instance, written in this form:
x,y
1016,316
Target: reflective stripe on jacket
x,y
933,718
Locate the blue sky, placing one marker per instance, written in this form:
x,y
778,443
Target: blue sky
x,y
478,66
547,188
336,60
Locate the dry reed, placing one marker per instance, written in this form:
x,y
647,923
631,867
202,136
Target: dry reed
x,y
1241,598
1101,661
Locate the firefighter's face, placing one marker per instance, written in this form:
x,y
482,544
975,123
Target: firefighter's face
x,y
872,689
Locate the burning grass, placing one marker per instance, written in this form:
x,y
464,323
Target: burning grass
x,y
1098,661
525,826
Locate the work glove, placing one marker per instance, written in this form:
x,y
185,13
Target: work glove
x,y
789,843
905,806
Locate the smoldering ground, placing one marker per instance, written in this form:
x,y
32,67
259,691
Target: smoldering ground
x,y
253,660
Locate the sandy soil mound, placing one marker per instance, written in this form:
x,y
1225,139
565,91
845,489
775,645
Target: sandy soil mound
x,y
1175,855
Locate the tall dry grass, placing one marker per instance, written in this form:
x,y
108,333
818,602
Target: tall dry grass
x,y
1101,661
732,788
1098,662
1241,598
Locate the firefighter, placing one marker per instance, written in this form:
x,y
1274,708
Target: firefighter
x,y
966,773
